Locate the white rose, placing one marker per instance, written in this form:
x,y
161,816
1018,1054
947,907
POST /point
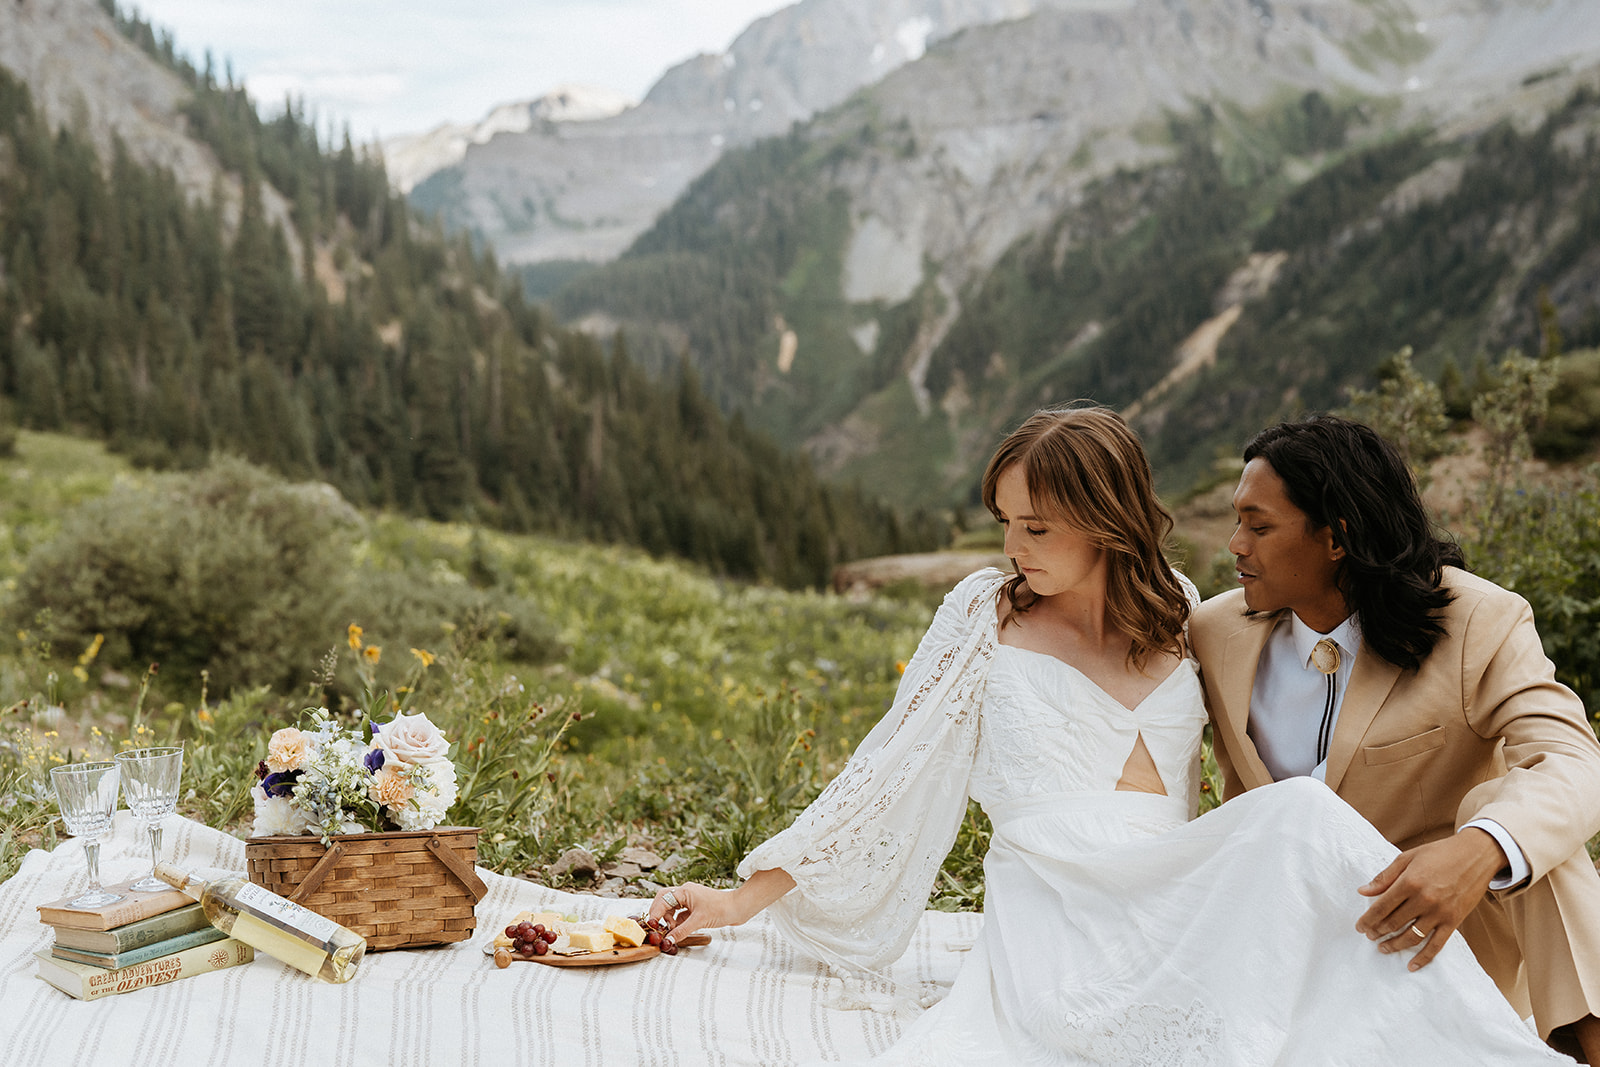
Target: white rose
x,y
276,816
412,739
429,805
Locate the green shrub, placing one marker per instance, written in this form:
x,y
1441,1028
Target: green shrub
x,y
423,607
228,570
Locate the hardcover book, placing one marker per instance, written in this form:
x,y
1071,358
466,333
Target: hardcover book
x,y
90,983
133,906
111,961
135,934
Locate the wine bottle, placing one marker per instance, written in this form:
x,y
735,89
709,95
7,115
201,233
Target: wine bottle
x,y
272,924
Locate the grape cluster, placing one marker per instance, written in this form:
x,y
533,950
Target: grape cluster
x,y
655,933
530,939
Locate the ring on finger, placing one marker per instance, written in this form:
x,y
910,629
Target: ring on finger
x,y
670,899
1419,933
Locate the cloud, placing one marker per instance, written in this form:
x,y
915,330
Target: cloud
x,y
394,66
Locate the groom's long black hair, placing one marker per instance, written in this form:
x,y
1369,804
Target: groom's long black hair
x,y
1345,476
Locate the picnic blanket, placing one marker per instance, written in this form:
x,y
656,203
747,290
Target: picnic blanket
x,y
747,998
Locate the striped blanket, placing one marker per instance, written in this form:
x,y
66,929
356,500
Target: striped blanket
x,y
748,998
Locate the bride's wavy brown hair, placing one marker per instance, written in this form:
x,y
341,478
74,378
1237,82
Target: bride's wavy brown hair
x,y
1086,469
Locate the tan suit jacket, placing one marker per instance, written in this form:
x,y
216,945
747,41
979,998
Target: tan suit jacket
x,y
1480,730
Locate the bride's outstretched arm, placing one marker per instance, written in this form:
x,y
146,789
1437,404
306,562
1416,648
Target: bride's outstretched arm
x,y
699,907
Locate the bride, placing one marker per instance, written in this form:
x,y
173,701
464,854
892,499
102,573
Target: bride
x,y
1116,930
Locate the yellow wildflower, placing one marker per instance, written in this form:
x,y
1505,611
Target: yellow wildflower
x,y
80,674
353,636
373,653
424,655
900,666
92,651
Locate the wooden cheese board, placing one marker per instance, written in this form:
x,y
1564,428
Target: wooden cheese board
x,y
605,957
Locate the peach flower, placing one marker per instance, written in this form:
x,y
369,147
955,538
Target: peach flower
x,y
390,788
287,750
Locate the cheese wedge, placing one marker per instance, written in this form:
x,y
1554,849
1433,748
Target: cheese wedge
x,y
625,931
589,937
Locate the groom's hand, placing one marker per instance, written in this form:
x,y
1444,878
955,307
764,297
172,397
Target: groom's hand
x,y
1426,893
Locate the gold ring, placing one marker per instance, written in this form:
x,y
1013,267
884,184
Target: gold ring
x,y
1419,933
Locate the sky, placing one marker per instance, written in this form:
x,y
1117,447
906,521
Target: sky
x,y
387,67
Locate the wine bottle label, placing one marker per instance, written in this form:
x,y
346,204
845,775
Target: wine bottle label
x,y
286,913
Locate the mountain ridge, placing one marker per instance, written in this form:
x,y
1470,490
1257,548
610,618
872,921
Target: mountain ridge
x,y
587,190
890,218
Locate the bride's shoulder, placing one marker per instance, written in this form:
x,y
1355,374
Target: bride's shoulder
x,y
976,589
1191,592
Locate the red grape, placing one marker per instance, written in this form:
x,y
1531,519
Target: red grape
x,y
540,948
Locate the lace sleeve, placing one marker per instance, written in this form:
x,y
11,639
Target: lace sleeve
x,y
865,853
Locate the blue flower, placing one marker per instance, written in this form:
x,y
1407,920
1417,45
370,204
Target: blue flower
x,y
374,761
280,783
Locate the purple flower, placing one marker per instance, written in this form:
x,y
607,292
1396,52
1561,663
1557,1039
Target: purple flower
x,y
280,783
374,761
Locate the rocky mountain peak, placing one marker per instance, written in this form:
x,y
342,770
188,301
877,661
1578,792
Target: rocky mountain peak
x,y
571,190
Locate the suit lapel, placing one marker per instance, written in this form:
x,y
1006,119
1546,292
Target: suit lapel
x,y
1370,682
1241,655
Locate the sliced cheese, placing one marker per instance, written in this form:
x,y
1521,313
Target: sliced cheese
x,y
589,937
625,931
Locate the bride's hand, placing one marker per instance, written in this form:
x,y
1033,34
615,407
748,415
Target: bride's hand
x,y
691,906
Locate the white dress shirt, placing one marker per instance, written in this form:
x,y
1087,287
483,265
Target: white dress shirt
x,y
1286,709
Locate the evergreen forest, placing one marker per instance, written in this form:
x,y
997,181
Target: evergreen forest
x,y
358,345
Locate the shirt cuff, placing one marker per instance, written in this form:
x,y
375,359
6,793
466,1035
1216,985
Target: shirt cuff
x,y
1516,870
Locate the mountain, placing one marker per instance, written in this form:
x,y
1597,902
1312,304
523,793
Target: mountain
x,y
585,189
83,73
410,158
176,314
1111,201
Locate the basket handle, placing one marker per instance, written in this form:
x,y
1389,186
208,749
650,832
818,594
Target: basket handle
x,y
315,875
456,865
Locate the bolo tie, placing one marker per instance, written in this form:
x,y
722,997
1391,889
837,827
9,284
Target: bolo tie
x,y
1325,658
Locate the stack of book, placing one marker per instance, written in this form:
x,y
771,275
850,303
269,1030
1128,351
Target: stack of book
x,y
144,939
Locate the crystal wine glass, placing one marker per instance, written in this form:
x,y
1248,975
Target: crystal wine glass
x,y
150,784
87,796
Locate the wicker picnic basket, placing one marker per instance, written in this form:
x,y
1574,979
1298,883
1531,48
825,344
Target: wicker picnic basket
x,y
398,890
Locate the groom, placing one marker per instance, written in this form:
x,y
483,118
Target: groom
x,y
1360,652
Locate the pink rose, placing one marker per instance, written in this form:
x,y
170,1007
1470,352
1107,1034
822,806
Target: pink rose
x,y
286,750
411,739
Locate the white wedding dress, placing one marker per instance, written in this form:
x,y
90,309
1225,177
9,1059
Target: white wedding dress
x,y
1116,930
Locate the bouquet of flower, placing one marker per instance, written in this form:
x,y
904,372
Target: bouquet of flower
x,y
328,779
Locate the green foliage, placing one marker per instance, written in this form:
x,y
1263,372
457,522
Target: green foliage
x,y
229,571
1572,422
1407,410
1507,414
1544,543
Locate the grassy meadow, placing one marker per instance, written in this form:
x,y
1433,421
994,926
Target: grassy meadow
x,y
654,704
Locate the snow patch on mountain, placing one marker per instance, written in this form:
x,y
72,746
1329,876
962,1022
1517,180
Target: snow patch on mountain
x,y
412,157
